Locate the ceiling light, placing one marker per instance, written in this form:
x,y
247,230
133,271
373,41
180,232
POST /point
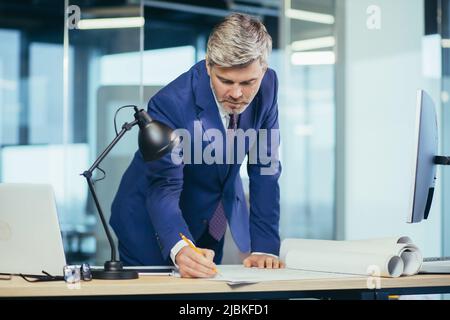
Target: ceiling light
x,y
309,16
313,44
313,58
111,23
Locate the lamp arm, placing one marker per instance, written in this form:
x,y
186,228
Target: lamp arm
x,y
126,127
441,160
88,175
102,218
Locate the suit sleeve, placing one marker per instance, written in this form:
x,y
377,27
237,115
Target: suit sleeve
x,y
165,181
264,188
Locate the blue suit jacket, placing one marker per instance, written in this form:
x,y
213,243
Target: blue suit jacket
x,y
158,200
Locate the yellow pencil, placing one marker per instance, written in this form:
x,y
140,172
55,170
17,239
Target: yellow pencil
x,y
192,246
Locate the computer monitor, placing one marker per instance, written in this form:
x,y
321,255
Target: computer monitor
x,y
424,168
30,236
425,158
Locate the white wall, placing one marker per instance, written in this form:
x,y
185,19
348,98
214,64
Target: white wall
x,y
382,70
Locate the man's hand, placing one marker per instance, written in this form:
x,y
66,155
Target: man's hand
x,y
263,261
194,265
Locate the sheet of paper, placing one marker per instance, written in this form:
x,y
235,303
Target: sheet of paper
x,y
238,275
153,270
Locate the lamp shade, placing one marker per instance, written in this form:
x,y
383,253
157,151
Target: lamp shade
x,y
155,138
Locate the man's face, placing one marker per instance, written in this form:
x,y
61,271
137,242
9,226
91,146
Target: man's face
x,y
235,87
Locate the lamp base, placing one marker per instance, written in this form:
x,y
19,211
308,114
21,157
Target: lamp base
x,y
114,275
114,271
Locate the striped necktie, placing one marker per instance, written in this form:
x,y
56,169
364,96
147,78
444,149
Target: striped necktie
x,y
218,222
233,121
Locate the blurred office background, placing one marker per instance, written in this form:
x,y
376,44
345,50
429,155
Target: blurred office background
x,y
348,70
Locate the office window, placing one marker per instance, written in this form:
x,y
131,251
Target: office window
x,y
51,164
152,70
9,85
307,119
434,25
45,94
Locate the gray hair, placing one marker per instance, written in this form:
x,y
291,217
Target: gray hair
x,y
238,41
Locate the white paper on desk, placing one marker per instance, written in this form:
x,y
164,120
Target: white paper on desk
x,y
386,257
238,275
153,270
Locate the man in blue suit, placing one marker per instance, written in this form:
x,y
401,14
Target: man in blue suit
x,y
232,91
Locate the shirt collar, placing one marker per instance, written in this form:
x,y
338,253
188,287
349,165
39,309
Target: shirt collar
x,y
222,112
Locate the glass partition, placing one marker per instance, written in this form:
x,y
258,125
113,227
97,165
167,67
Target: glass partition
x,y
307,117
66,66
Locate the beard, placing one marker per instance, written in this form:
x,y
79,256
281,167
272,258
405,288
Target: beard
x,y
232,107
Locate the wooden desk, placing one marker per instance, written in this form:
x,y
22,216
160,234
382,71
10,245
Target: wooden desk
x,y
165,287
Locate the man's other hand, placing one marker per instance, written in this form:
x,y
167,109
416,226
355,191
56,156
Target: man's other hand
x,y
191,264
263,261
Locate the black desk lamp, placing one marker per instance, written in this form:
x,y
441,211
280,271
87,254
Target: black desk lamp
x,y
155,140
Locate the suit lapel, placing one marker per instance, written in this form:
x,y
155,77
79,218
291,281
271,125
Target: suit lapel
x,y
208,113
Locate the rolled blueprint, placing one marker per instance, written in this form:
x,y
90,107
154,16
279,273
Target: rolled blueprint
x,y
386,257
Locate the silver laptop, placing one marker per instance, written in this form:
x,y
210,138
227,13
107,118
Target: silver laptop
x,y
30,236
